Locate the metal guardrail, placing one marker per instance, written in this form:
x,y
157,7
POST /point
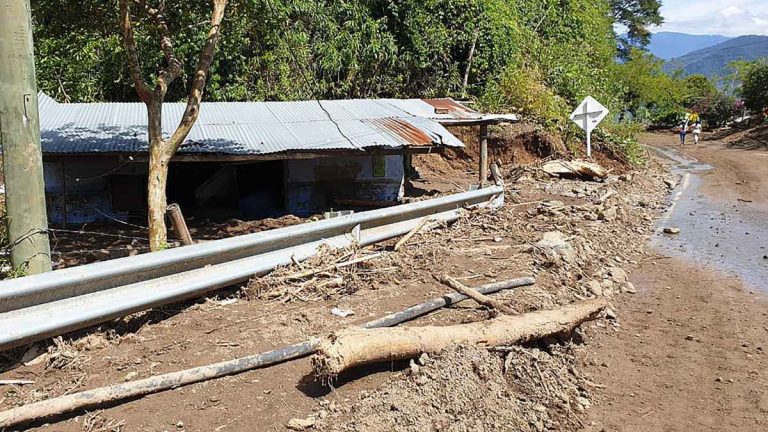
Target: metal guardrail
x,y
46,287
96,293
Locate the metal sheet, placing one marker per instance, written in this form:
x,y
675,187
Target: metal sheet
x,y
240,128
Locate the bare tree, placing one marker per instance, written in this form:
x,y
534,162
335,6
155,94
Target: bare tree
x,y
162,150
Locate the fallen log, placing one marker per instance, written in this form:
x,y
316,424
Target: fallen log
x,y
133,389
356,346
476,296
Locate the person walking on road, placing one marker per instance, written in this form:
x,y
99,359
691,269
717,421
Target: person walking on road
x,y
696,131
683,131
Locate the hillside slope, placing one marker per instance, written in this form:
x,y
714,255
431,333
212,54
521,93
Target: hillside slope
x,y
712,61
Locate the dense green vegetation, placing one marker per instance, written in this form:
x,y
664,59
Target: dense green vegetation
x,y
754,88
538,57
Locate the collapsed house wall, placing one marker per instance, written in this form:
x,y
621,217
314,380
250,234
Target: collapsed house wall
x,y
314,185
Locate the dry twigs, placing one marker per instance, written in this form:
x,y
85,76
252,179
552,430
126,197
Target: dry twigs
x,y
330,273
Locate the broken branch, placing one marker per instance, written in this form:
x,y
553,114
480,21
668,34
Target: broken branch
x,y
476,296
412,232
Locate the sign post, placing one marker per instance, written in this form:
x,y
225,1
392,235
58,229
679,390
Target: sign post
x,y
587,116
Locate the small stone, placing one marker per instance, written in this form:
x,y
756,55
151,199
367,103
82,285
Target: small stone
x,y
610,314
414,367
628,287
608,214
180,424
131,375
583,401
595,288
719,379
671,230
424,359
298,424
322,414
649,311
618,274
689,337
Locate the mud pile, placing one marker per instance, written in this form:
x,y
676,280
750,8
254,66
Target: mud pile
x,y
471,389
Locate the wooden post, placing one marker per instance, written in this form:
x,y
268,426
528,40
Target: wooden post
x,y
483,154
179,224
20,140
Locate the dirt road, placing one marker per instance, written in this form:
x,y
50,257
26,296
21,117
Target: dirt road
x,y
691,350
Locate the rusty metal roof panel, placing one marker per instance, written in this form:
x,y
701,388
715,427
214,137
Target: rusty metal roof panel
x,y
240,127
436,109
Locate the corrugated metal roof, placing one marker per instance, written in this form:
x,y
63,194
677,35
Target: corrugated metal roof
x,y
242,128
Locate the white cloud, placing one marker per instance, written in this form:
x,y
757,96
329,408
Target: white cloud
x,y
734,18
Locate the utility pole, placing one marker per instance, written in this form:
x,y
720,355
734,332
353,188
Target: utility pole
x,y
20,141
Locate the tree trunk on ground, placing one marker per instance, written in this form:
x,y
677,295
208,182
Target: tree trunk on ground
x,y
356,346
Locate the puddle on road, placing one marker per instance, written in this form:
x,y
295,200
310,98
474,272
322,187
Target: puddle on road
x,y
729,236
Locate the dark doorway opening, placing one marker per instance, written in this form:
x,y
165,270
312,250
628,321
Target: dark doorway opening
x,y
219,191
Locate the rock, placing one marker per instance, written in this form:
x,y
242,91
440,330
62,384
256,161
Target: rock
x,y
553,242
628,288
689,337
583,401
595,288
608,214
131,375
424,359
322,414
618,275
672,230
610,314
414,367
625,177
298,424
180,425
719,379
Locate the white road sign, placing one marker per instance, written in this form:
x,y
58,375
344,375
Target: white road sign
x,y
588,115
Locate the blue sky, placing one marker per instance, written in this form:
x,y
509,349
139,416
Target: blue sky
x,y
723,17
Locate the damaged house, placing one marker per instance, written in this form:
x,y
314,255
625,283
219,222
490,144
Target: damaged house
x,y
247,160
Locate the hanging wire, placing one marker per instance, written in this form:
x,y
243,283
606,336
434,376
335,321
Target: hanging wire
x,y
307,82
120,221
79,179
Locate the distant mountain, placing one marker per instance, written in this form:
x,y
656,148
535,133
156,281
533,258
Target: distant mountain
x,y
713,61
668,45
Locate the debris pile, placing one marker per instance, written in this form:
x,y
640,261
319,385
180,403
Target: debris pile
x,y
329,273
469,388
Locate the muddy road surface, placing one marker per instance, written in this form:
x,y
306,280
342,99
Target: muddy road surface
x,y
691,352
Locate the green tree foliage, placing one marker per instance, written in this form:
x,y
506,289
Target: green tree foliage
x,y
697,89
636,16
649,91
538,56
754,87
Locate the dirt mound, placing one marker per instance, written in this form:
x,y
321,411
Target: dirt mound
x,y
471,389
752,139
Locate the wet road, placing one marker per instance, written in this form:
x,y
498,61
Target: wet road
x,y
726,233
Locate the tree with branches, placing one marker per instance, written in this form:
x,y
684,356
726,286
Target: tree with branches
x,y
162,149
